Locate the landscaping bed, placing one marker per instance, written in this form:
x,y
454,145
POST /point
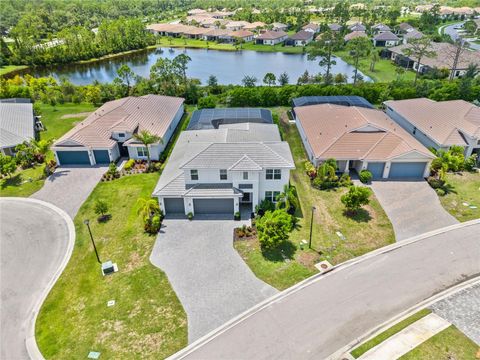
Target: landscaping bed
x,y
147,320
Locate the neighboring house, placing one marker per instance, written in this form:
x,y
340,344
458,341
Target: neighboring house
x,y
195,32
107,133
236,25
354,34
225,170
357,27
301,38
212,118
243,34
335,27
439,124
173,30
217,35
313,28
360,138
255,26
17,124
379,28
276,26
444,58
414,34
385,39
404,28
196,11
271,37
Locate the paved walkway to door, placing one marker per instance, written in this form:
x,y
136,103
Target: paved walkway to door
x,y
211,280
413,207
70,186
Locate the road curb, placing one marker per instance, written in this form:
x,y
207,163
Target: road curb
x,y
344,352
30,341
309,281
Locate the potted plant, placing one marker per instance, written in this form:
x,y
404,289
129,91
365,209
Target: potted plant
x,y
236,216
190,216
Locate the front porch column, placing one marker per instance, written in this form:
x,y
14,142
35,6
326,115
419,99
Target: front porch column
x,y
386,170
426,172
236,204
188,205
347,167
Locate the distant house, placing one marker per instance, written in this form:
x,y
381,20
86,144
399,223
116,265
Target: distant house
x,y
301,38
439,124
196,11
313,28
404,28
255,26
236,25
357,27
414,34
107,133
442,60
243,34
335,27
386,39
195,32
354,34
17,124
271,37
217,35
379,28
276,26
361,139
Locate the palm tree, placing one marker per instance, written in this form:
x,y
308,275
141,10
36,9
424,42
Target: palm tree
x,y
288,199
147,208
147,139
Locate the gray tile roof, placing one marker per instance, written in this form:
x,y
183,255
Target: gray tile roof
x,y
16,123
213,190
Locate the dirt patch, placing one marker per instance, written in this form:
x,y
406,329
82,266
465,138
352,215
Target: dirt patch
x,y
77,115
308,259
134,262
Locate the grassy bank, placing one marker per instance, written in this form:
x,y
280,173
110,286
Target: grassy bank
x,y
370,344
57,121
147,320
7,69
465,193
367,231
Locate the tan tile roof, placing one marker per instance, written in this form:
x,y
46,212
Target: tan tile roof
x,y
174,28
355,34
219,32
355,133
442,120
254,25
153,113
444,56
193,30
241,33
271,35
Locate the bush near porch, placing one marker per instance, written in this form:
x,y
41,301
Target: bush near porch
x,y
368,230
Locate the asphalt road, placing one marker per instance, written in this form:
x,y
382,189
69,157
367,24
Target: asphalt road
x,y
332,311
33,243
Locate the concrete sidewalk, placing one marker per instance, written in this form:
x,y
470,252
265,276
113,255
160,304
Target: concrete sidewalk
x,y
407,339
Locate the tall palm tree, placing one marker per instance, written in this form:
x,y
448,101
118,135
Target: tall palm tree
x,y
147,139
147,208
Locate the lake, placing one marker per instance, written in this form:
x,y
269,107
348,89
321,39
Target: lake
x,y
228,66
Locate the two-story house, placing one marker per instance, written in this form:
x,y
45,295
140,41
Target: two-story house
x,y
108,132
225,170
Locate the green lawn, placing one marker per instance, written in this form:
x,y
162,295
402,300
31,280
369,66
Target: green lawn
x,y
369,230
26,182
466,187
147,320
384,68
4,70
449,344
370,344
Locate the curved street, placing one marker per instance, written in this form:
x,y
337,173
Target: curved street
x,y
36,242
325,313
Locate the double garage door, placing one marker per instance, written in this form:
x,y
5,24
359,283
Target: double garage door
x,y
82,158
200,206
398,170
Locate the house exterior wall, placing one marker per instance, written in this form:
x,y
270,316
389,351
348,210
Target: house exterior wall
x,y
302,42
306,145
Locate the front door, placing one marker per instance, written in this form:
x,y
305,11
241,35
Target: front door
x,y
123,150
247,197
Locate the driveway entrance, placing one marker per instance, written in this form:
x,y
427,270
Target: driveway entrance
x,y
211,280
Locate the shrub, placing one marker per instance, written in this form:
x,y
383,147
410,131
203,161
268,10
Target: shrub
x,y
273,228
355,198
435,183
264,206
129,164
310,170
207,102
440,192
236,216
345,180
101,209
152,225
365,176
50,167
190,215
471,162
112,171
7,165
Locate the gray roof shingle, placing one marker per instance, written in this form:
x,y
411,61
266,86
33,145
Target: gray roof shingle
x,y
16,123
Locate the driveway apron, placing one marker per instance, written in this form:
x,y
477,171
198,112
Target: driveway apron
x,y
211,280
69,187
413,207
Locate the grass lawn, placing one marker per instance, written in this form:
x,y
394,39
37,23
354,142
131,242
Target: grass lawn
x,y
466,187
370,344
4,70
26,182
369,230
448,344
147,320
384,68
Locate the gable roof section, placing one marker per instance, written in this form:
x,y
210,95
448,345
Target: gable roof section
x,y
272,35
16,123
386,36
302,35
355,133
153,113
442,121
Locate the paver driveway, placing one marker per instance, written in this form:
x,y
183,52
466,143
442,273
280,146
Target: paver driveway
x,y
211,280
69,187
413,207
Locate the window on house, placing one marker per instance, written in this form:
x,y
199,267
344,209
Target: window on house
x,y
223,174
245,175
142,151
194,174
273,174
121,135
272,196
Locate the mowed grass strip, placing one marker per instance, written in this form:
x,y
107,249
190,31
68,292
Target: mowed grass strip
x,y
466,187
370,344
448,344
147,321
